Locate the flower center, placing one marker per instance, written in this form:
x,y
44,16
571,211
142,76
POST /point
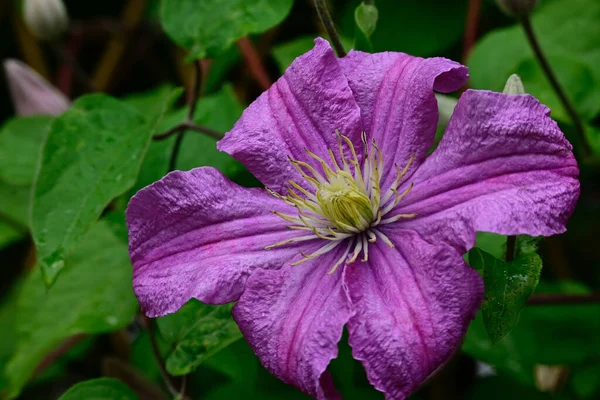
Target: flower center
x,y
344,203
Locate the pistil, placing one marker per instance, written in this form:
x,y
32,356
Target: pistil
x,y
345,202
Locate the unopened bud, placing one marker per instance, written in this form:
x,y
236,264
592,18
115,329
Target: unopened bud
x,y
517,8
31,94
46,19
514,85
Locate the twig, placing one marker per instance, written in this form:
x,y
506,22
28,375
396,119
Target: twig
x,y
188,123
167,378
175,151
511,242
254,63
471,26
30,48
188,126
563,299
566,103
327,22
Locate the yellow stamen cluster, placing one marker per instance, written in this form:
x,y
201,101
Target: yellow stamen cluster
x,y
345,203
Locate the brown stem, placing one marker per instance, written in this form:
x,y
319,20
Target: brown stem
x,y
511,242
327,22
471,26
254,63
188,126
563,299
564,99
167,378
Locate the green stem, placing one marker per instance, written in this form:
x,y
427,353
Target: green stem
x,y
327,22
560,92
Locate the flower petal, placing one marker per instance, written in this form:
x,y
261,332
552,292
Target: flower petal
x,y
301,110
502,166
413,304
31,94
196,234
293,318
398,108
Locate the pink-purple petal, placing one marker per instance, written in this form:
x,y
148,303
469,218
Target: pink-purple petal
x,y
302,110
196,234
502,166
413,304
293,318
395,93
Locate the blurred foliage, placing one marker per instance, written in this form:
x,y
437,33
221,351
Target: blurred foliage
x,y
74,175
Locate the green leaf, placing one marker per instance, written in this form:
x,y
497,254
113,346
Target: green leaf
x,y
206,28
92,154
365,16
508,285
94,296
196,332
20,142
99,389
9,234
568,34
14,203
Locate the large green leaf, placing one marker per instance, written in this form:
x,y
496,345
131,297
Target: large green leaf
x,y
20,141
99,389
508,285
14,203
92,154
206,28
94,296
196,332
568,35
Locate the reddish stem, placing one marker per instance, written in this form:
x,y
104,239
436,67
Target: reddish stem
x,y
254,63
471,27
64,75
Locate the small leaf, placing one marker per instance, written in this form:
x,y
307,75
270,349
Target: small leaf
x,y
20,142
206,28
365,16
508,285
92,154
99,389
94,296
196,332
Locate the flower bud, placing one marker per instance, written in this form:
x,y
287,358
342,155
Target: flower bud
x,y
46,19
31,94
514,85
517,8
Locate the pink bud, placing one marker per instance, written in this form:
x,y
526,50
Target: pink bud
x,y
31,94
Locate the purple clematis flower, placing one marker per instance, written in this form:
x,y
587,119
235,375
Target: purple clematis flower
x,y
358,226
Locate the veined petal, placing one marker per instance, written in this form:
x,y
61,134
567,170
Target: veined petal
x,y
398,108
301,110
413,304
502,166
293,318
31,94
196,234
